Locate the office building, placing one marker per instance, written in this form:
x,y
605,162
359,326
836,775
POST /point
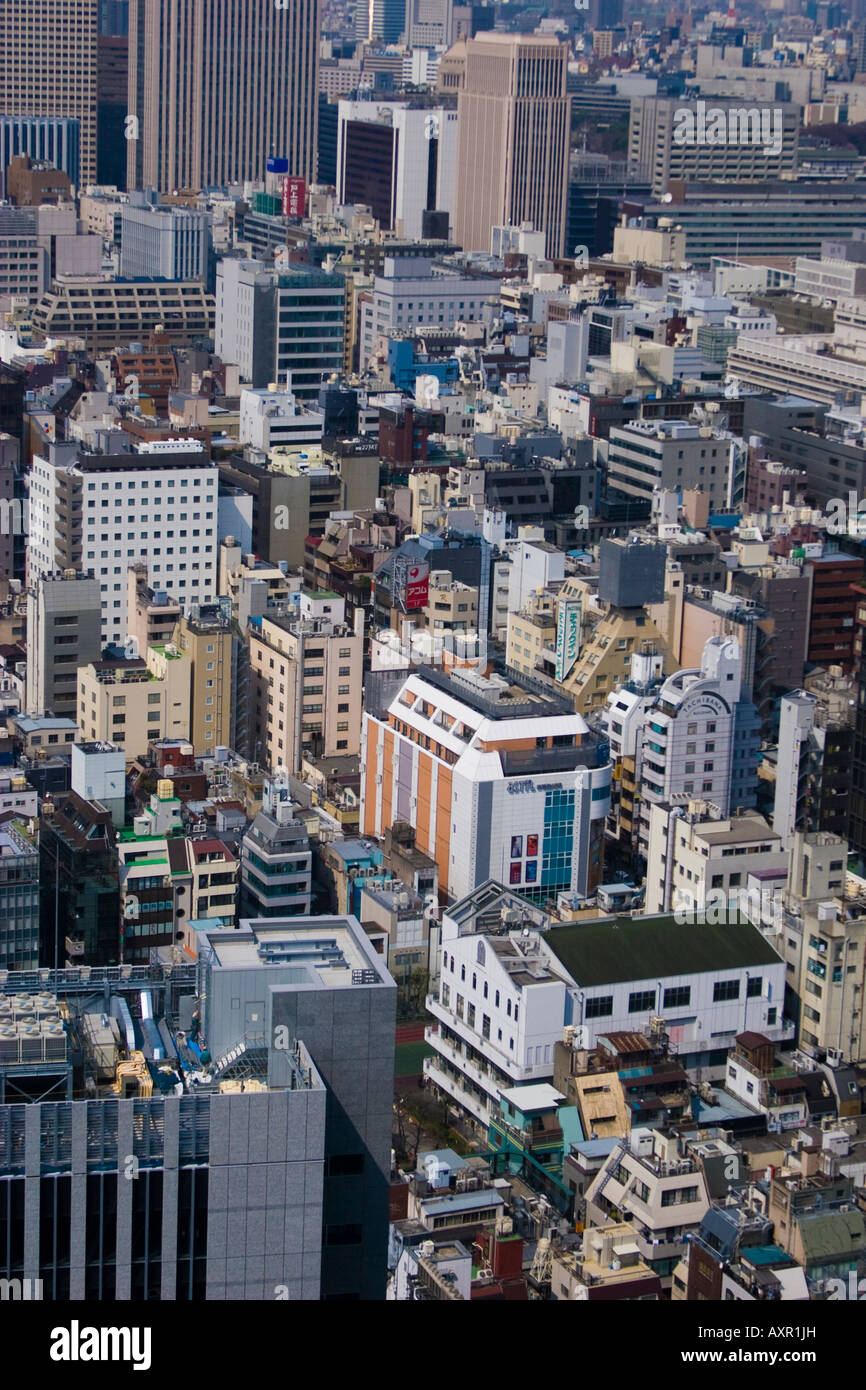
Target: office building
x,y
317,1227
217,86
53,140
665,139
694,855
23,269
79,873
165,491
380,19
276,860
512,138
163,243
414,292
305,682
107,312
280,326
64,631
49,50
271,418
501,780
19,897
648,455
397,159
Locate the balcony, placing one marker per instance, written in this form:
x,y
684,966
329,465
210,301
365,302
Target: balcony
x,y
451,1087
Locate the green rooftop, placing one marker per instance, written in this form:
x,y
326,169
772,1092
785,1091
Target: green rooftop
x,y
643,948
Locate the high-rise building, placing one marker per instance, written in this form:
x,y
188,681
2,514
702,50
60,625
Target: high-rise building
x,y
64,631
48,53
305,682
157,506
676,139
217,86
398,160
512,138
274,323
273,1187
54,139
499,776
380,19
163,243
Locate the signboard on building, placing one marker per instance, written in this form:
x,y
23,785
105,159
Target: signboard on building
x,y
417,586
567,636
294,196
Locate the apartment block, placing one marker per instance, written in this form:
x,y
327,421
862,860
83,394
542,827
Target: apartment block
x,y
646,456
305,682
276,860
130,701
692,854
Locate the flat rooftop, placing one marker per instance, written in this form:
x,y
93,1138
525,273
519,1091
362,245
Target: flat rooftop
x,y
323,952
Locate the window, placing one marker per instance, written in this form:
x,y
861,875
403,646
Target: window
x,y
675,1196
724,990
754,987
678,998
602,1007
641,1001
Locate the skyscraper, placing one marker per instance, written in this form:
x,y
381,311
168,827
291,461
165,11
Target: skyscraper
x,y
512,138
48,57
219,85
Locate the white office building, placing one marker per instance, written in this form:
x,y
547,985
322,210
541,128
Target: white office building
x,y
272,417
416,146
155,505
414,292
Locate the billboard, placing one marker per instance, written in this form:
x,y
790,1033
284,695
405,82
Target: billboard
x,y
294,196
567,636
417,585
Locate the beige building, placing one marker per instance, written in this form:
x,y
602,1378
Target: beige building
x,y
207,638
512,137
605,659
306,679
693,854
132,701
452,606
532,634
151,614
48,51
217,86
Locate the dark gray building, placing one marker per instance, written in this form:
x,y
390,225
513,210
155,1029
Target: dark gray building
x,y
64,631
830,450
174,1138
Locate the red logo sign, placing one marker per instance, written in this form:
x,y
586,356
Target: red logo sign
x,y
417,585
294,196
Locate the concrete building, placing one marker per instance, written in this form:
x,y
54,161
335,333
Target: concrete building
x,y
500,778
64,631
512,138
320,1147
53,139
659,141
165,492
305,682
200,108
646,456
98,773
50,66
397,159
271,418
276,860
281,325
107,312
206,636
129,702
413,291
163,242
692,853
23,273
19,897
79,870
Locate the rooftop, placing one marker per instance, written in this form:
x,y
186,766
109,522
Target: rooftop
x,y
325,952
613,950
